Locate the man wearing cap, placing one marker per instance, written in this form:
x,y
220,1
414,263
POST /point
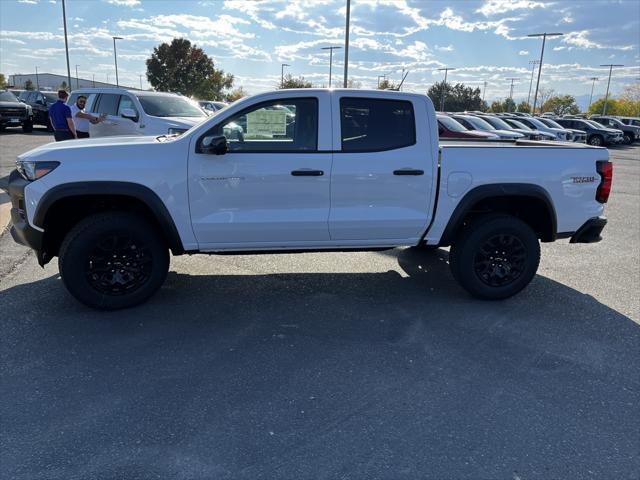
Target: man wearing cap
x,y
61,120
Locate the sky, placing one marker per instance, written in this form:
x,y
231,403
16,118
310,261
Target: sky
x,y
484,40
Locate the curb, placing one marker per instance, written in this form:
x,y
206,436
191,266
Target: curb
x,y
5,212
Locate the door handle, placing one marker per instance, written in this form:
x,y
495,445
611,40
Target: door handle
x,y
408,171
307,172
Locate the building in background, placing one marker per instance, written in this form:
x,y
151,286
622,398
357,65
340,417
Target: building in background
x,y
51,81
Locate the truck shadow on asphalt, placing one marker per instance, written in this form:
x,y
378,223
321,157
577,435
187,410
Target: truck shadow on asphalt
x,y
288,375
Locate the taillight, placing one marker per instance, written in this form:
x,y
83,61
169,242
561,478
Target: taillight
x,y
605,169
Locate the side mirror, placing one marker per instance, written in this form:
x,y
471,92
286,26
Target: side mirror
x,y
214,144
129,113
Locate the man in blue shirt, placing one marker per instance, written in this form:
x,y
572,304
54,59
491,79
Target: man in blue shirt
x,y
61,119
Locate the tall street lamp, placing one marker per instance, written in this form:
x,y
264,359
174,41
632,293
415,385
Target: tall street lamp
x,y
606,97
37,79
77,79
544,36
331,49
140,81
533,64
346,45
593,84
66,42
444,86
115,58
282,74
513,79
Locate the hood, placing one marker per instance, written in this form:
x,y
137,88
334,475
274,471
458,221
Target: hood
x,y
507,133
576,132
182,122
58,148
12,105
480,134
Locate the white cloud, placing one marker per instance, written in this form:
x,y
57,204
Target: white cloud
x,y
13,40
494,7
125,3
523,53
579,39
448,48
29,2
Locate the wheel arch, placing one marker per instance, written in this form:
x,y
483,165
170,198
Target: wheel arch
x,y
529,202
75,201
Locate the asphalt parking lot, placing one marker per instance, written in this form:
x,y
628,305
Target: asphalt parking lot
x,y
362,365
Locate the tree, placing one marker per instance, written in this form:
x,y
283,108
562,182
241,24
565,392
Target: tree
x,y
351,83
3,81
180,67
524,107
387,85
457,98
28,85
236,94
509,105
627,104
63,86
291,82
561,105
496,107
544,94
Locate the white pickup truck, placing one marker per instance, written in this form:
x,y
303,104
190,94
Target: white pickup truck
x,y
305,170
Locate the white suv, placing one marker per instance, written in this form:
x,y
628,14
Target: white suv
x,y
135,112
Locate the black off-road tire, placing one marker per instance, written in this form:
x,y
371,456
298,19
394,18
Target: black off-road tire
x,y
518,260
80,271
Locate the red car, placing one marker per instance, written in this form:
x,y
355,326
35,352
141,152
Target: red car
x,y
451,128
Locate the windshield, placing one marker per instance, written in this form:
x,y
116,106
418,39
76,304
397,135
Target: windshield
x,y
8,97
594,124
169,106
497,122
479,124
536,123
51,97
452,124
518,124
550,123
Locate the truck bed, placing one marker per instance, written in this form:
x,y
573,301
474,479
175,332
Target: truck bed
x,y
511,144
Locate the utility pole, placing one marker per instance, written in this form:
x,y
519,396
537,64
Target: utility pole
x,y
544,40
484,89
66,42
346,46
140,81
444,86
115,58
533,63
513,79
37,79
606,97
282,73
77,79
331,49
593,83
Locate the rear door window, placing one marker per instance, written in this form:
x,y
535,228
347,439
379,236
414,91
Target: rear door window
x,y
108,104
370,125
126,103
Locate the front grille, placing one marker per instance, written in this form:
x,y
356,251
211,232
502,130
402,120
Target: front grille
x,y
12,112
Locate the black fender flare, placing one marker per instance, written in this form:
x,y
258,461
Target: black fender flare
x,y
126,189
477,194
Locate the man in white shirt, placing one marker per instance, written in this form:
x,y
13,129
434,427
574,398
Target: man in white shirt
x,y
81,119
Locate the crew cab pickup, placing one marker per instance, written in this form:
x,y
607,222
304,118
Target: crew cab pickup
x,y
310,170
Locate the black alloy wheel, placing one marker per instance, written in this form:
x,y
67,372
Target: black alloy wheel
x,y
500,260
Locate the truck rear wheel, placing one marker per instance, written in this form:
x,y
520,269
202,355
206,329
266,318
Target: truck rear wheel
x,y
114,260
495,256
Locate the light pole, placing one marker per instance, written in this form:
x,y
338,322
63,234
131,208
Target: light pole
x,y
346,45
444,86
115,58
331,49
533,64
593,84
606,97
37,79
513,79
66,43
77,79
484,90
544,36
282,74
140,81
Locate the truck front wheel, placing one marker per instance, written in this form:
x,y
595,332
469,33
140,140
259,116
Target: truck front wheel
x,y
113,260
495,256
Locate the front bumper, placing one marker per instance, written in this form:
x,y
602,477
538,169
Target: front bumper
x,y
590,231
21,231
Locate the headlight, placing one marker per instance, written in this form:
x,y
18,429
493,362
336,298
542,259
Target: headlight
x,y
34,170
177,131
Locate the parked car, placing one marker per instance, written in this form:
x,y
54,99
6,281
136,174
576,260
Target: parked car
x,y
630,133
503,124
635,121
560,134
134,112
573,135
40,101
473,122
211,107
597,135
370,175
14,113
451,128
